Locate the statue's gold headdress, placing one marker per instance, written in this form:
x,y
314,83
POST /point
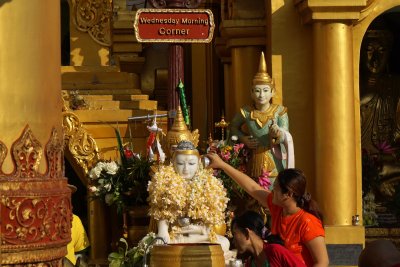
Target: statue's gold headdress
x,y
179,132
262,76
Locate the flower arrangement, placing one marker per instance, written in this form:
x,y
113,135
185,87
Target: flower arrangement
x,y
167,192
131,257
236,155
121,183
203,198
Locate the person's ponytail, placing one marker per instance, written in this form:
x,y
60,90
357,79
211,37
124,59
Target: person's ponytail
x,y
309,205
294,181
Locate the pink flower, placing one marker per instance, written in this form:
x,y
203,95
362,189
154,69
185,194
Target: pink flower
x,y
225,156
385,148
237,148
263,180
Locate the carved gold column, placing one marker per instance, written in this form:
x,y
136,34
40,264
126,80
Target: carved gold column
x,y
34,198
337,181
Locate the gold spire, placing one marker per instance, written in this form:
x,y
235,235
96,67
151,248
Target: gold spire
x,y
179,124
262,76
180,132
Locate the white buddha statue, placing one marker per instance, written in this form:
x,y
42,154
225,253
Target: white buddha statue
x,y
187,201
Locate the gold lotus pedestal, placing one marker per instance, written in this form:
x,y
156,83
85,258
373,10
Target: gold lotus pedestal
x,y
187,255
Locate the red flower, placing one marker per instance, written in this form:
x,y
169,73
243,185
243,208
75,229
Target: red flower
x,y
128,152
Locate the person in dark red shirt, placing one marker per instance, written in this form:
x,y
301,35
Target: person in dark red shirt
x,y
250,236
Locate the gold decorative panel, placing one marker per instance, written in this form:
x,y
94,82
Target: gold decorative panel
x,y
93,17
79,142
35,207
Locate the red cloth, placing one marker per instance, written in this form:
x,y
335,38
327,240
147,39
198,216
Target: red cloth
x,y
295,230
279,256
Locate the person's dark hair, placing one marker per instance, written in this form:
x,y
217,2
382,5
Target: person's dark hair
x,y
294,181
254,221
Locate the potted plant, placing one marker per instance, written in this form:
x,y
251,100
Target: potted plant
x,y
123,184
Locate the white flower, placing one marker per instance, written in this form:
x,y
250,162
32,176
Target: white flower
x,y
111,167
95,172
234,138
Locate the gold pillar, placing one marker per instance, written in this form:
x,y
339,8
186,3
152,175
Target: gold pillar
x,y
243,68
243,37
34,197
240,56
337,181
334,125
30,78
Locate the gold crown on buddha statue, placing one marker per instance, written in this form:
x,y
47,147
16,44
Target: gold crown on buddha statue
x,y
180,132
262,76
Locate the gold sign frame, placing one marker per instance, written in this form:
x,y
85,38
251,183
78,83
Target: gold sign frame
x,y
211,25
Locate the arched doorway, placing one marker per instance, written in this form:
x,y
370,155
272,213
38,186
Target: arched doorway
x,y
379,91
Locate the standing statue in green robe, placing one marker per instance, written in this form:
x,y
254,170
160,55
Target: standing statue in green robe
x,y
264,128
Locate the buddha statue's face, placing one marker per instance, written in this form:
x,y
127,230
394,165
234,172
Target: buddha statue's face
x,y
262,94
376,55
186,165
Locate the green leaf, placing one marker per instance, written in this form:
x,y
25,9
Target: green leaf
x,y
115,263
120,146
115,256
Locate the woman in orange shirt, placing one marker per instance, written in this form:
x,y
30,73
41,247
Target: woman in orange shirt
x,y
295,217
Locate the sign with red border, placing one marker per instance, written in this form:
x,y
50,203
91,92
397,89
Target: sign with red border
x,y
174,25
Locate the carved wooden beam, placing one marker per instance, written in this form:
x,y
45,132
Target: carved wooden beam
x,y
175,3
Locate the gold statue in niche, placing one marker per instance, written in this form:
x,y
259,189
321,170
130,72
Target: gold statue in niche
x,y
379,94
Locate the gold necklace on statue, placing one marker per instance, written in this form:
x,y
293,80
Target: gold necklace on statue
x,y
262,117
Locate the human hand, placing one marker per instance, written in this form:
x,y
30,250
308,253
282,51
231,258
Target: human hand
x,y
216,161
250,141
